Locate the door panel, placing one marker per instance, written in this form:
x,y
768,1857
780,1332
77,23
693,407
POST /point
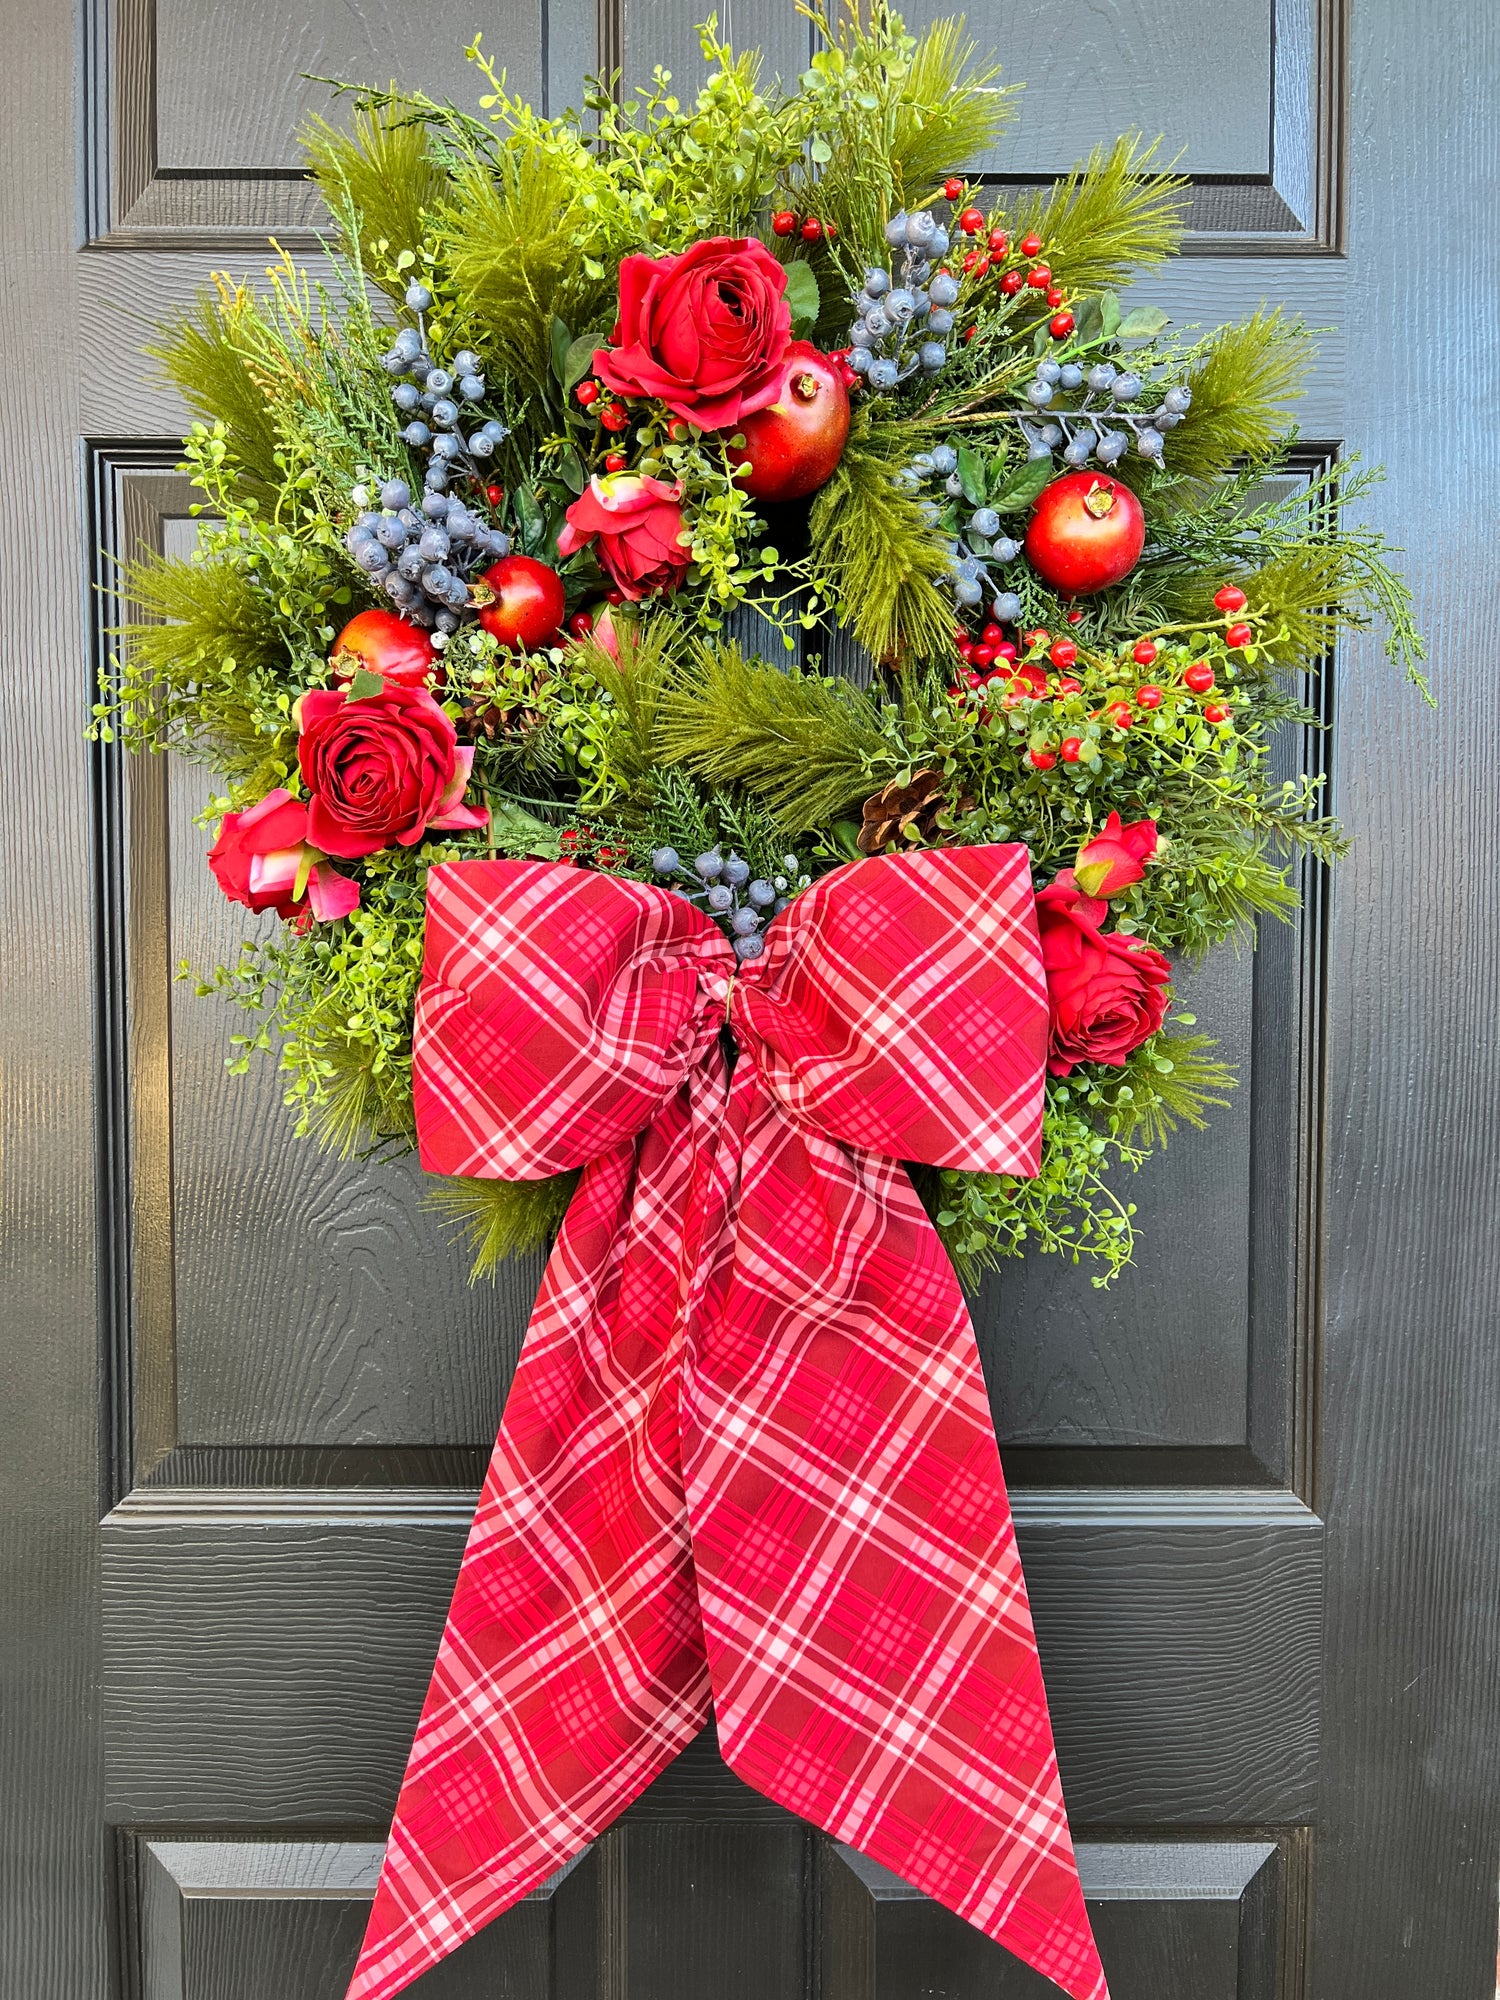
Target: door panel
x,y
1252,1480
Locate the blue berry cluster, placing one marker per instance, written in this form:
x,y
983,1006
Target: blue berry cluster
x,y
424,560
903,319
739,901
978,544
1098,426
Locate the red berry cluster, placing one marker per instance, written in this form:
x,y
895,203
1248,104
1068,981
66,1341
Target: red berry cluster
x,y
996,254
611,413
580,844
811,228
1024,669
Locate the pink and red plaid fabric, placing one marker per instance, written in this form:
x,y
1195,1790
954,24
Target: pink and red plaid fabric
x,y
746,1466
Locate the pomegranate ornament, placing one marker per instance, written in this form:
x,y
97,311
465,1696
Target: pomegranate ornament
x,y
1087,532
526,603
793,446
381,643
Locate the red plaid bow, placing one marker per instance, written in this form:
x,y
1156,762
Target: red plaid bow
x,y
747,1465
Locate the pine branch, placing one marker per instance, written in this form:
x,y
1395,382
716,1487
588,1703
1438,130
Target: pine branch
x,y
512,235
1110,217
501,1219
796,742
201,355
380,181
194,671
1171,1081
874,555
1241,387
651,652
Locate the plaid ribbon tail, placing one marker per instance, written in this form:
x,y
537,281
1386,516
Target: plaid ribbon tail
x,y
747,1462
873,1658
571,1670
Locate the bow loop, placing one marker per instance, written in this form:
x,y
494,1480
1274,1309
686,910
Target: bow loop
x,y
901,1008
560,1010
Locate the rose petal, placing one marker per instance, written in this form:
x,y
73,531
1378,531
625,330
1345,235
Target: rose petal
x,y
275,874
331,895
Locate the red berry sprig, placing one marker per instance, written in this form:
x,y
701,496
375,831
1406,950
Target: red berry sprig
x,y
953,188
811,228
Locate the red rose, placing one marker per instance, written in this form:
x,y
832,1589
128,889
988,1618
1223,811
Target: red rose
x,y
1105,994
260,854
1115,857
379,769
639,528
704,332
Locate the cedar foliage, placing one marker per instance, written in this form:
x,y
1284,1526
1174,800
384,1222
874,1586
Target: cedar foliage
x,y
875,558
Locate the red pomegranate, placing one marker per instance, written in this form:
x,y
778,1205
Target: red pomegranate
x,y
528,603
793,445
384,644
1086,533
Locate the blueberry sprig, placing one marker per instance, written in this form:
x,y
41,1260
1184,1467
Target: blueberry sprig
x,y
1103,430
423,561
902,319
739,901
968,569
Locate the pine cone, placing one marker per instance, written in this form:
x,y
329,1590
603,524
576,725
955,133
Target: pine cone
x,y
497,724
897,807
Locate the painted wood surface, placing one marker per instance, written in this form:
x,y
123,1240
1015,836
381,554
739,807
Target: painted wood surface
x,y
1255,1484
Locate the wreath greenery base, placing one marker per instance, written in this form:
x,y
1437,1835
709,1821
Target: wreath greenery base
x,y
644,726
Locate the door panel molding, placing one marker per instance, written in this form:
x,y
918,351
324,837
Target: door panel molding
x,y
1258,1435
136,199
226,1915
1289,202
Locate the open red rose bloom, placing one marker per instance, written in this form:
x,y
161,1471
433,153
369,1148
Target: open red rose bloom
x,y
1106,992
704,332
380,770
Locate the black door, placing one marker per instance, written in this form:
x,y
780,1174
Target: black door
x,y
246,1394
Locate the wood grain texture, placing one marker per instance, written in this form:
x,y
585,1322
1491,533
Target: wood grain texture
x,y
1407,1472
52,1875
1162,1357
266,1655
1080,60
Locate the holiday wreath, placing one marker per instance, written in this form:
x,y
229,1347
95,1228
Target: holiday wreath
x,y
680,952
481,508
